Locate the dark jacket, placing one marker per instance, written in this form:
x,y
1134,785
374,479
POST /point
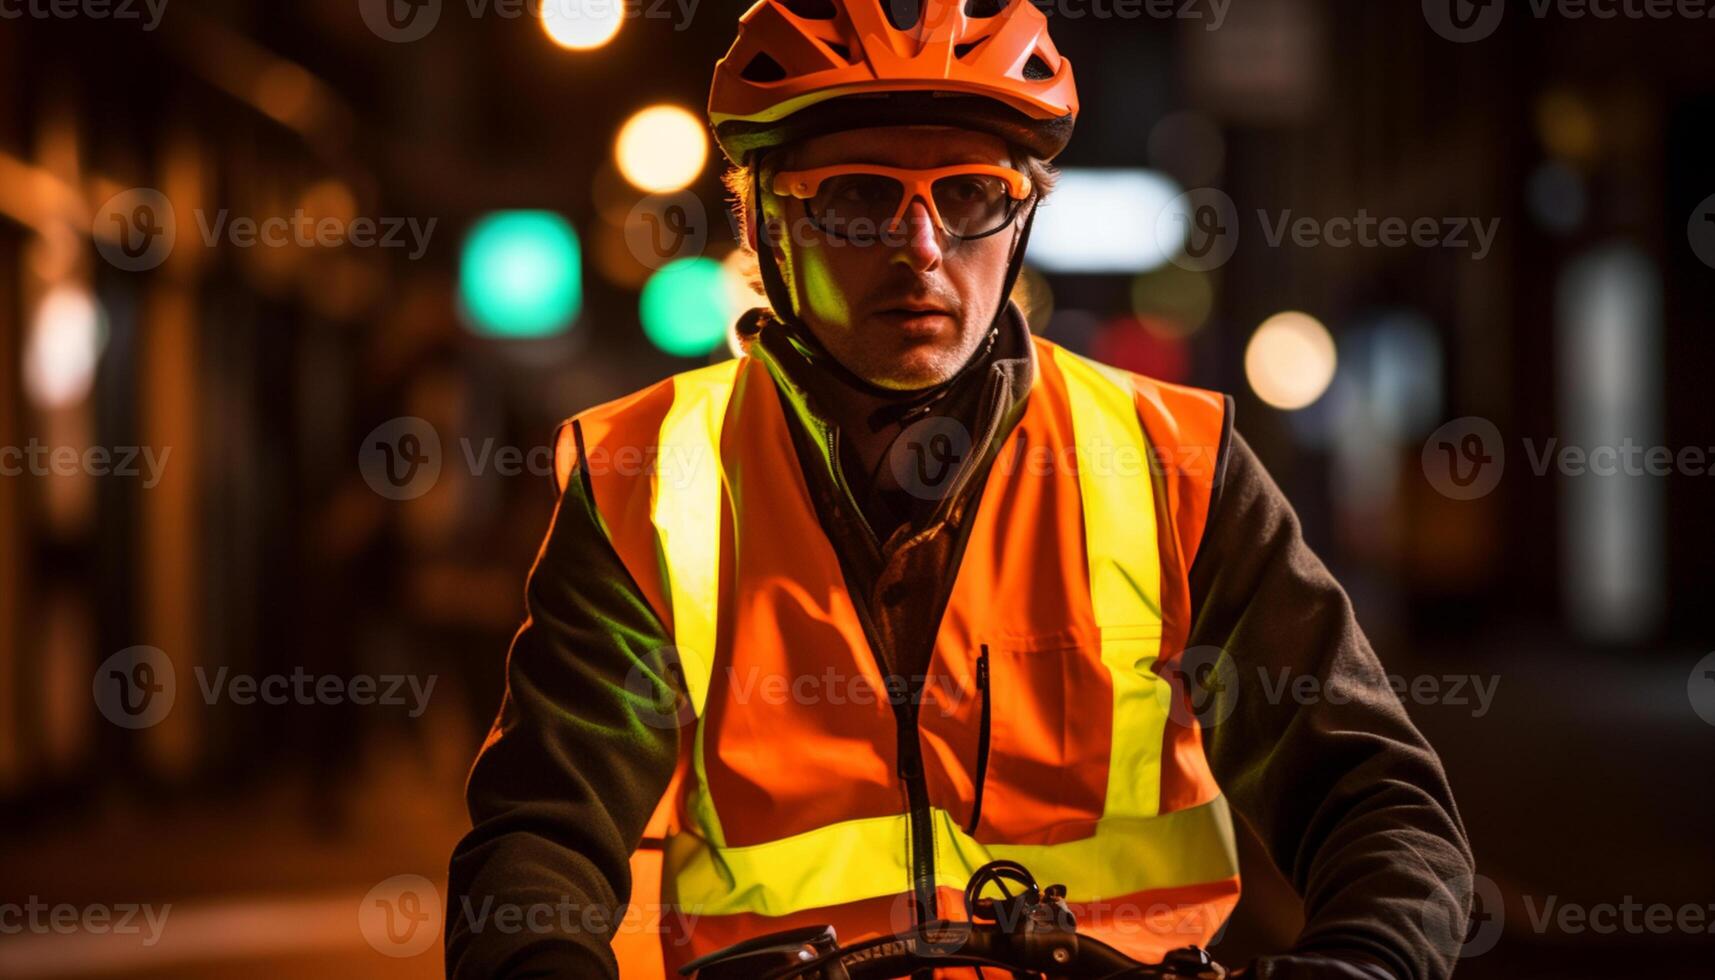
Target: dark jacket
x,y
1349,800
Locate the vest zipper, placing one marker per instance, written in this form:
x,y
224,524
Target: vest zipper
x,y
982,740
917,799
908,750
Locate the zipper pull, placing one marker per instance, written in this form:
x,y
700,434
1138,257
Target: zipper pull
x,y
983,669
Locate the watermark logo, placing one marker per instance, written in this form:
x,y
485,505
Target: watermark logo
x,y
1207,686
401,459
670,708
1701,231
400,21
1464,21
1200,229
925,458
401,916
665,227
138,686
135,229
135,688
1450,930
1700,688
1464,459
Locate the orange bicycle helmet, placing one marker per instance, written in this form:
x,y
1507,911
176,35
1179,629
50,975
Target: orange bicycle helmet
x,y
802,68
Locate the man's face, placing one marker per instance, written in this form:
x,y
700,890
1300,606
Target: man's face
x,y
903,309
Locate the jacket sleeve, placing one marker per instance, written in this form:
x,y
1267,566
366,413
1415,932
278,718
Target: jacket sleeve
x,y
1348,798
572,770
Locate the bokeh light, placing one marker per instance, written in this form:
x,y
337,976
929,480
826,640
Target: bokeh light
x,y
519,275
1566,126
64,346
687,306
1129,342
662,148
1104,221
579,25
1173,300
1290,360
1556,196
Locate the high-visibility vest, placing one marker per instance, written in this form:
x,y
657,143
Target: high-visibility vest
x,y
793,801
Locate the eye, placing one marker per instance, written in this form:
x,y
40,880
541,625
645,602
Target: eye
x,y
861,190
968,189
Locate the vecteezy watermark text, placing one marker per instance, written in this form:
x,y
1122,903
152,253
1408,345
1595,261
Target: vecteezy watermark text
x,y
1466,21
404,21
307,231
120,918
137,228
302,687
137,687
1364,230
149,12
1186,10
1464,458
36,459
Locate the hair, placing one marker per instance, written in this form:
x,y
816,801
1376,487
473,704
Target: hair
x,y
741,182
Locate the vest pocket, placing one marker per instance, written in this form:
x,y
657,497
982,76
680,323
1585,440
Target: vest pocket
x,y
1043,737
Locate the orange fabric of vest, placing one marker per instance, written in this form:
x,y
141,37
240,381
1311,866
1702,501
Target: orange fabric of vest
x,y
797,730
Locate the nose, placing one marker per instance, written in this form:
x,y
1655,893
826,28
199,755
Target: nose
x,y
922,249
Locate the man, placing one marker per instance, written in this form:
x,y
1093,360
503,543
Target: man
x,y
905,589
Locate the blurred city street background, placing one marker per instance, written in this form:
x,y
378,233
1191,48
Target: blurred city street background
x,y
293,294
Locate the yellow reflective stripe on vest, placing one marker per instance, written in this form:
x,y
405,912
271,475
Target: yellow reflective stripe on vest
x,y
686,511
1123,551
860,859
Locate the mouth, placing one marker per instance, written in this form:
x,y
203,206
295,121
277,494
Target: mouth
x,y
916,321
916,316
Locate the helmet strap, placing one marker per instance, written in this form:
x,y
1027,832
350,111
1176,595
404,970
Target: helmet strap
x,y
773,283
1015,263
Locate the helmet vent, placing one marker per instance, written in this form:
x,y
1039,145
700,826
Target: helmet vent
x,y
762,68
984,8
1037,70
844,52
811,9
960,50
903,14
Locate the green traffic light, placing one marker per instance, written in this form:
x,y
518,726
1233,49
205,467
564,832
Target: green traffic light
x,y
519,275
686,307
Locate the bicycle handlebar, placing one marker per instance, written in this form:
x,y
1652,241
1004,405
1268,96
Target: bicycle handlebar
x,y
1069,955
1031,934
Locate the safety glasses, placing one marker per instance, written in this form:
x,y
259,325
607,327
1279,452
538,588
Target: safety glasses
x,y
848,201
